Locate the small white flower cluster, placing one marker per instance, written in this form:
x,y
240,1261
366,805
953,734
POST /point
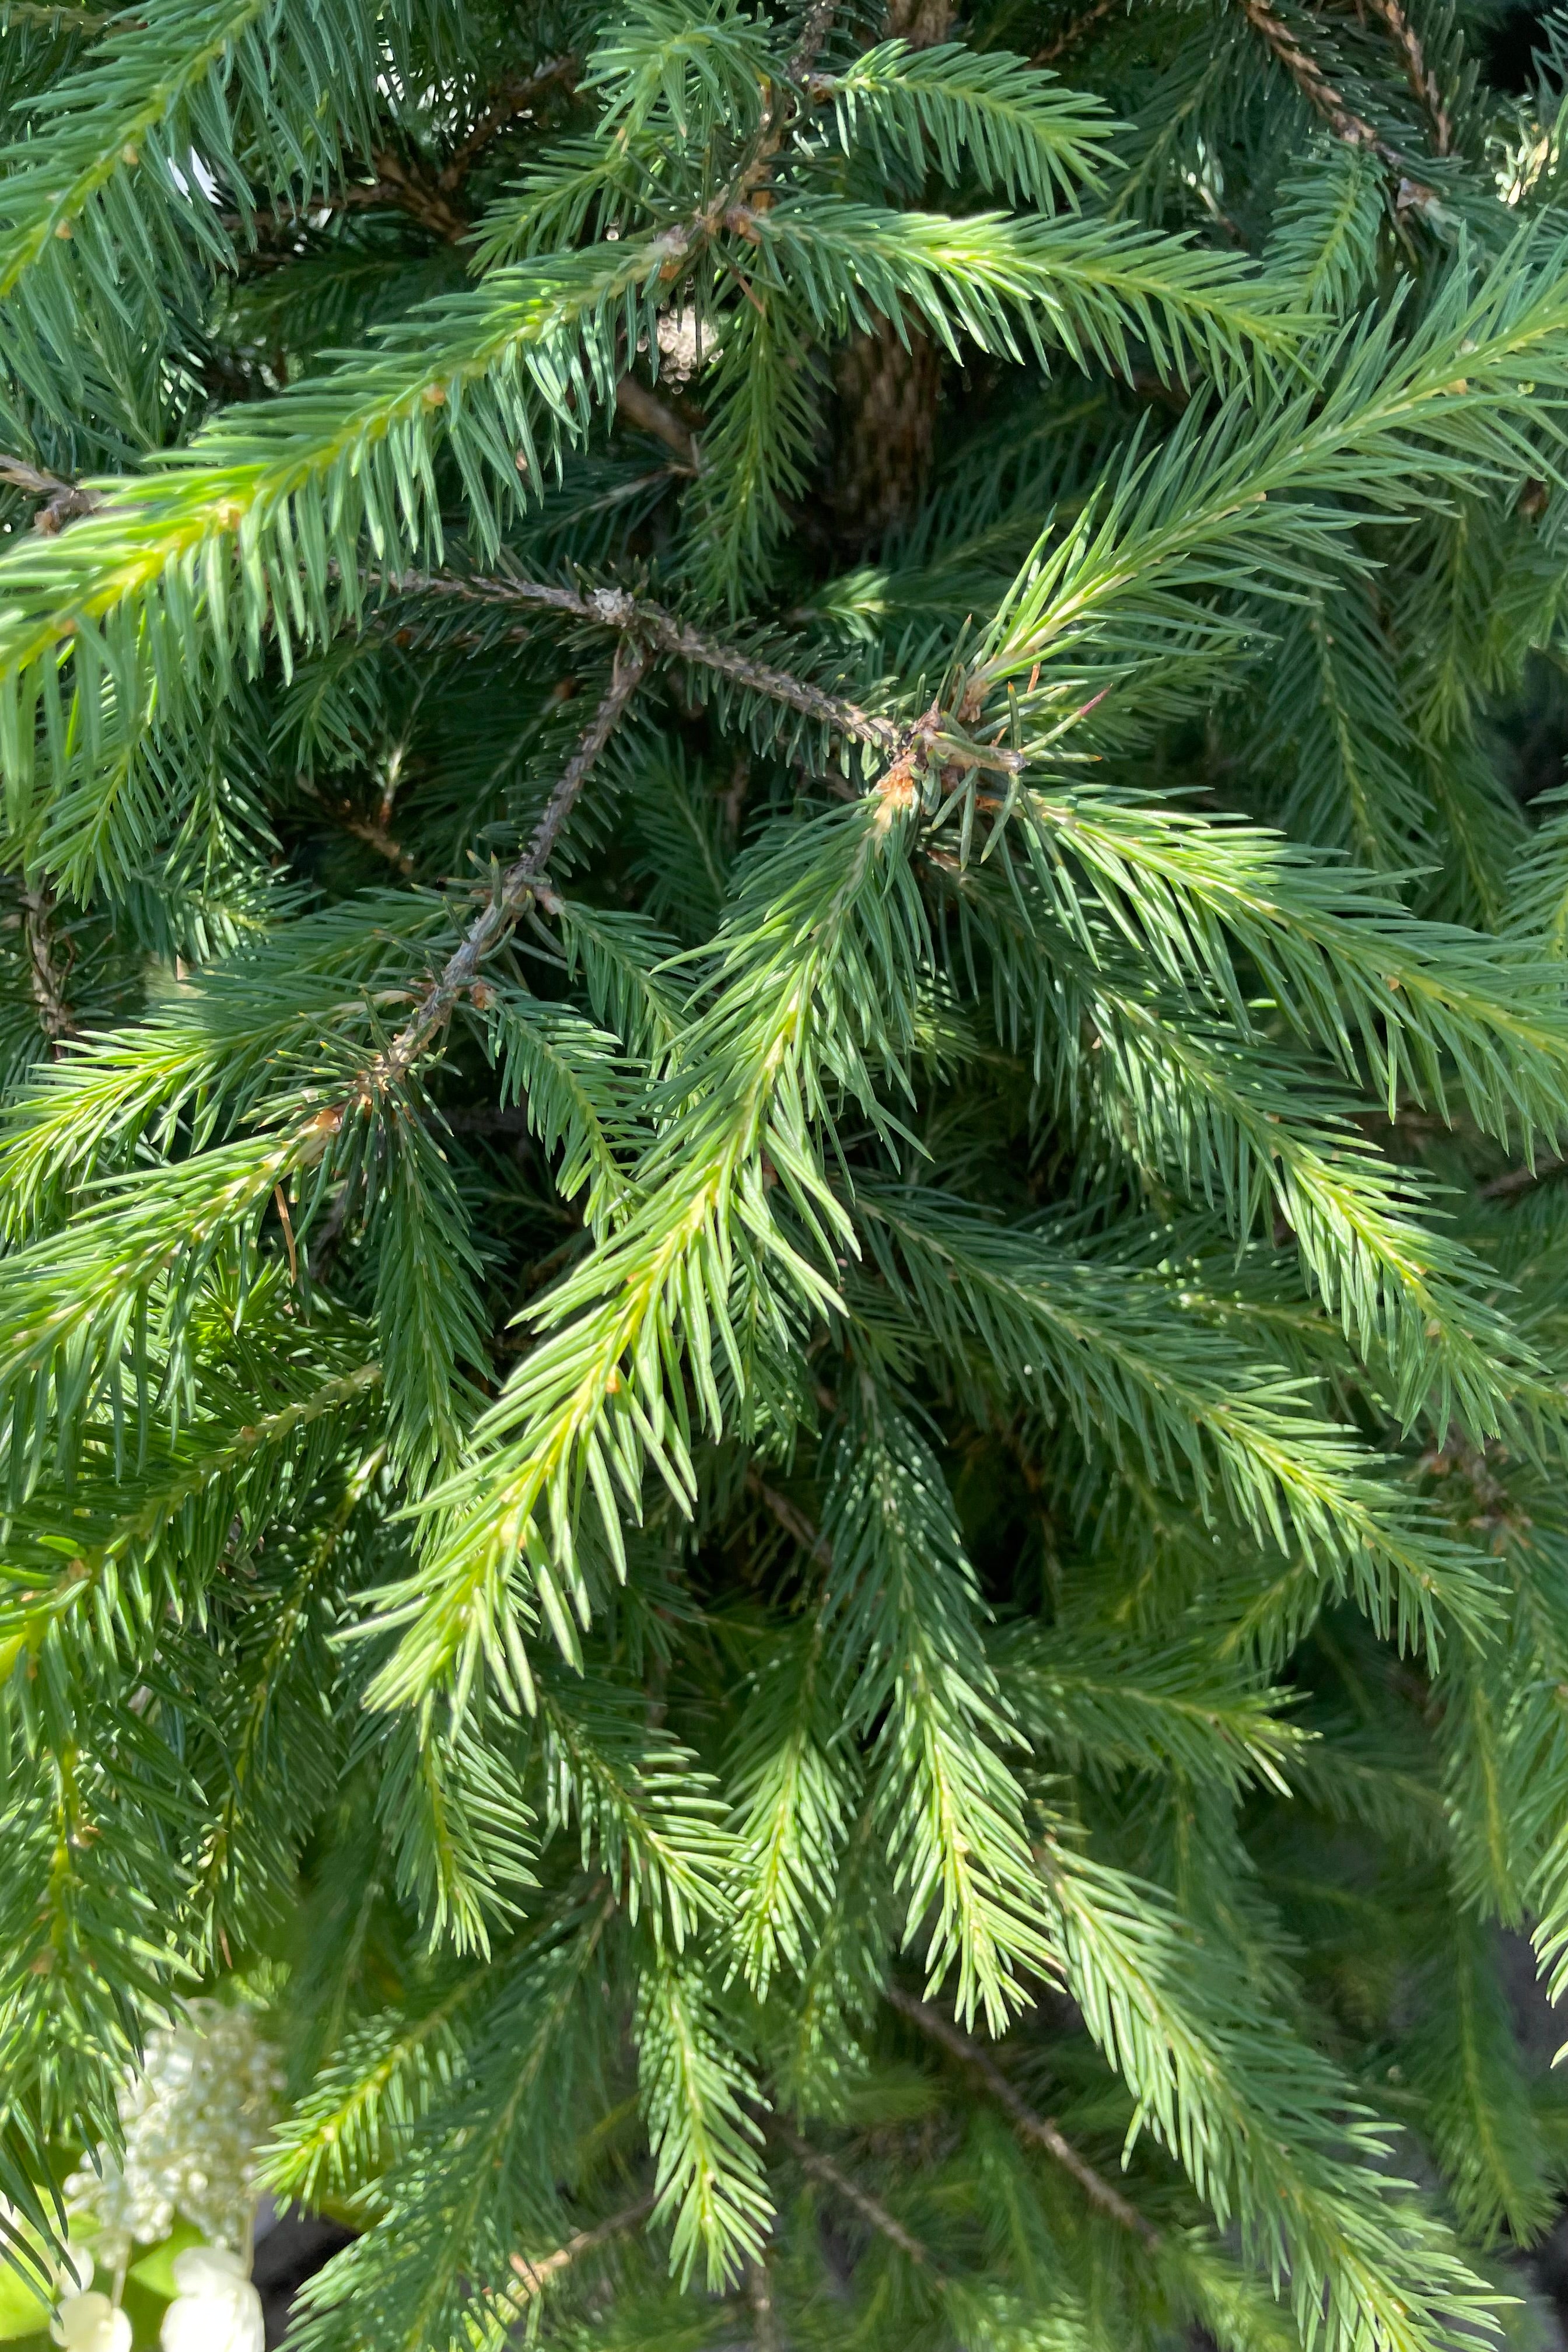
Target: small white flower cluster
x,y
684,344
192,2119
216,2309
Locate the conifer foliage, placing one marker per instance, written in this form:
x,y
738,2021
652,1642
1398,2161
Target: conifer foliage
x,y
784,1318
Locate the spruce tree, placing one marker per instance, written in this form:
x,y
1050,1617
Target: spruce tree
x,y
783,1322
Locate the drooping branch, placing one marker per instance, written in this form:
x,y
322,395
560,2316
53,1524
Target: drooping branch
x,y
1039,2131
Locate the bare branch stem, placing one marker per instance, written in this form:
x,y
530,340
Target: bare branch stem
x,y
46,973
643,409
63,501
1040,2131
1073,32
613,608
870,2207
518,888
1325,99
533,2275
1417,72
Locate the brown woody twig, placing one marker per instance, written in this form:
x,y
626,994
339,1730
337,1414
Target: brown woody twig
x,y
407,183
1417,72
870,2207
1073,32
1509,1186
643,409
47,976
1040,2131
519,887
1325,99
64,501
533,2275
795,1523
613,608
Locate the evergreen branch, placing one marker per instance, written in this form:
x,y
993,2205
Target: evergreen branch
x,y
1325,99
531,346
129,91
1036,2130
1423,82
646,1817
707,2143
902,1616
1269,2133
722,1655
1047,1328
339,2134
589,1405
991,118
128,1538
1083,282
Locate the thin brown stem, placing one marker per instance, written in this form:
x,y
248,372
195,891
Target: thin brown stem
x,y
513,98
47,971
1307,75
613,608
533,2275
385,844
764,2318
1324,99
795,1523
63,501
405,181
1039,2130
814,34
519,887
408,184
1508,1187
1074,31
1417,72
870,2209
643,409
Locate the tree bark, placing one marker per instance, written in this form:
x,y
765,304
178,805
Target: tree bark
x,y
888,382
